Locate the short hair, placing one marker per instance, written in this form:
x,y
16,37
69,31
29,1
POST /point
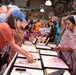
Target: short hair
x,y
53,21
3,9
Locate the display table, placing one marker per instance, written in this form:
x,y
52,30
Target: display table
x,y
44,63
10,65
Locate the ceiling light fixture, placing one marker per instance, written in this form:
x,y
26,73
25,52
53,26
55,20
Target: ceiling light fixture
x,y
48,3
10,5
41,10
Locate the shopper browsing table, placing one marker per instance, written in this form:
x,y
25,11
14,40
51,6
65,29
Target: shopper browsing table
x,y
67,46
15,19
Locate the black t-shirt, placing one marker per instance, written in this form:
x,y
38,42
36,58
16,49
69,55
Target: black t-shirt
x,y
52,33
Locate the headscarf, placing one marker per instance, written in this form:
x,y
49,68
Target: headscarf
x,y
72,19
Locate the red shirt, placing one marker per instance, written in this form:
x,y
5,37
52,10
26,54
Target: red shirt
x,y
6,34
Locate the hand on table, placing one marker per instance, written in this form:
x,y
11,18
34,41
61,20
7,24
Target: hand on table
x,y
30,58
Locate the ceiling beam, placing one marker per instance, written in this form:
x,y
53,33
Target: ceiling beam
x,y
62,2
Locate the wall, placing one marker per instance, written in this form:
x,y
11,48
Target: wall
x,y
34,3
55,18
65,17
21,3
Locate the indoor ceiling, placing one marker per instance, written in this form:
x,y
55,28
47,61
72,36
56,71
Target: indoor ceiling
x,y
58,3
61,6
55,3
58,6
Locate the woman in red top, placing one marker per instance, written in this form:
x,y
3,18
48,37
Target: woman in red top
x,y
15,19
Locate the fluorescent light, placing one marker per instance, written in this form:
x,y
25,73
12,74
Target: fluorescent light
x,y
48,3
42,10
10,5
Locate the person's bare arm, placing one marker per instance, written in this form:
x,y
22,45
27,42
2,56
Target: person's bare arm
x,y
67,48
21,51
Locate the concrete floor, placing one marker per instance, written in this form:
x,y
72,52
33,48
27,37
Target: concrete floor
x,y
3,69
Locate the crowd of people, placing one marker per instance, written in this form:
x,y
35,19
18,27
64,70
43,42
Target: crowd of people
x,y
15,29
